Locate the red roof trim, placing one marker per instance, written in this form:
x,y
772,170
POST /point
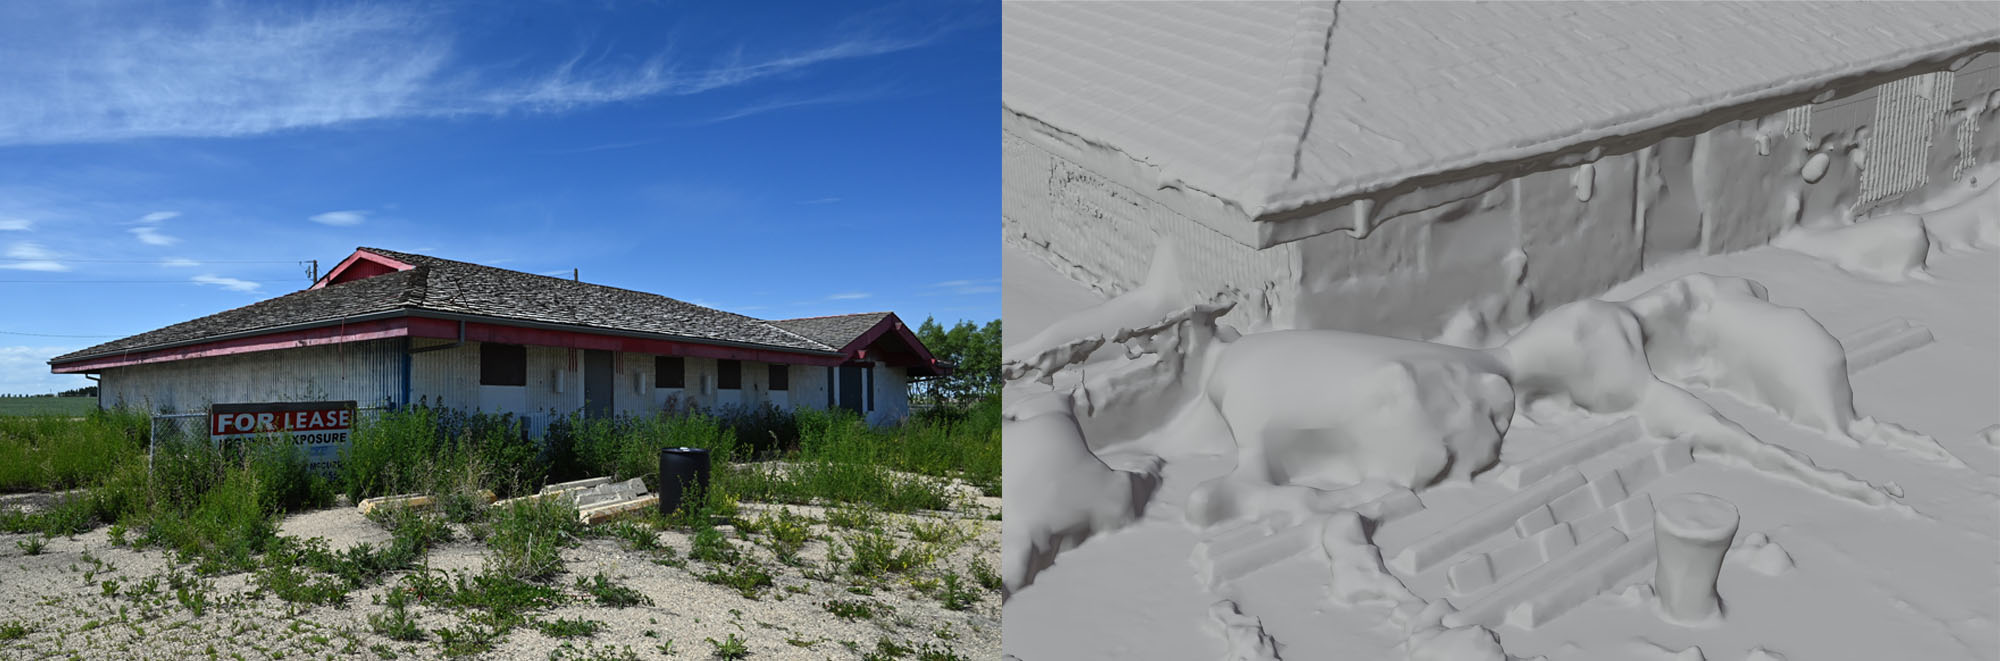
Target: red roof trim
x,y
367,330
445,329
360,265
890,323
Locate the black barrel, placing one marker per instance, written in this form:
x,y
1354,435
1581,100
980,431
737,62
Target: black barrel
x,y
683,478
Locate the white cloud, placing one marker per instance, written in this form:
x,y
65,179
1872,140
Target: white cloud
x,y
32,256
849,296
967,287
234,69
148,230
28,250
341,218
24,370
151,236
823,200
15,224
179,262
231,284
38,265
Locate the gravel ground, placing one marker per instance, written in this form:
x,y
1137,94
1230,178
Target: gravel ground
x,y
53,604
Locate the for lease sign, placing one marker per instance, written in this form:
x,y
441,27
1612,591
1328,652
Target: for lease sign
x,y
322,427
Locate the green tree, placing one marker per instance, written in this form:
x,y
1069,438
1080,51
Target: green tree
x,y
973,348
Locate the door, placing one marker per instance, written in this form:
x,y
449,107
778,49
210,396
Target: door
x,y
851,387
597,383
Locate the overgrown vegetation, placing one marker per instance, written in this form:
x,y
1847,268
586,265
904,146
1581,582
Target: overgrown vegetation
x,y
217,509
55,452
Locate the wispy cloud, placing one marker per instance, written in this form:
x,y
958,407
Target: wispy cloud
x,y
247,69
31,256
148,230
179,262
849,296
341,218
967,287
231,284
15,225
789,102
823,200
24,370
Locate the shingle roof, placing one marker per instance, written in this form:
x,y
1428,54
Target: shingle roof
x,y
456,286
1275,106
378,294
444,285
835,331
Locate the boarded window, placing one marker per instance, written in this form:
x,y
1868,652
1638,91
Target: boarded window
x,y
669,372
729,374
503,364
781,377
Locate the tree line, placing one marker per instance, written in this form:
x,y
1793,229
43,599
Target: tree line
x,y
86,391
973,348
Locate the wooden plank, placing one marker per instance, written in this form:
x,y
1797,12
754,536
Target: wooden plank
x,y
607,512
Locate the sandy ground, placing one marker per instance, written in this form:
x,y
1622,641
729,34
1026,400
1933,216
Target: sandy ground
x,y
58,593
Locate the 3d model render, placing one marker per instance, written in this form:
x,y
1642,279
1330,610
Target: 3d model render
x,y
1502,330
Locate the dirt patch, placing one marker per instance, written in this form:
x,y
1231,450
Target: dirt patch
x,y
86,596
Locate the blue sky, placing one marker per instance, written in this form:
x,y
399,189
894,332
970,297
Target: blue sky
x,y
773,159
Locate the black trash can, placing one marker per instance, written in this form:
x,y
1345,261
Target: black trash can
x,y
683,477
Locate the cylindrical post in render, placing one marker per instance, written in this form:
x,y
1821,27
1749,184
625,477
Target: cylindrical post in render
x,y
1692,532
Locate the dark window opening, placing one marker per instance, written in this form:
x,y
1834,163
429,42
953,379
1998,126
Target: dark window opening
x,y
669,372
729,374
781,377
503,365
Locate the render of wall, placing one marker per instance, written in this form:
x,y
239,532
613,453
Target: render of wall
x,y
370,373
1104,234
1537,239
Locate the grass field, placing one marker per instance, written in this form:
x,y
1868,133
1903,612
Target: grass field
x,y
47,405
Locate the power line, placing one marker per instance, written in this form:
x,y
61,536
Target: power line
x,y
170,260
55,335
129,282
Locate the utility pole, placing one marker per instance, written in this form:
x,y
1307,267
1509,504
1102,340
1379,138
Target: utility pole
x,y
312,273
573,275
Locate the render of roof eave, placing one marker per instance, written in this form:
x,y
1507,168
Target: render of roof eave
x,y
419,313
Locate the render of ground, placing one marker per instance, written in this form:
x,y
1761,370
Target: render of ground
x,y
58,593
1301,495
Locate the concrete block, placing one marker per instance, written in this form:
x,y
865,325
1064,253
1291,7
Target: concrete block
x,y
1590,444
1500,517
1534,521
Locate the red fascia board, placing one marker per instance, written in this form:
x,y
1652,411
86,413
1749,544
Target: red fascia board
x,y
443,329
359,257
336,334
544,337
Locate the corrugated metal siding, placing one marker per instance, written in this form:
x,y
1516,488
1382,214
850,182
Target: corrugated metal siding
x,y
1898,144
368,372
447,377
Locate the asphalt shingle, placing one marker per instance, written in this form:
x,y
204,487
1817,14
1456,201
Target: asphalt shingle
x,y
444,285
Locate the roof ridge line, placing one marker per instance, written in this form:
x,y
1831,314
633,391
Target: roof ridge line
x,y
830,316
1280,155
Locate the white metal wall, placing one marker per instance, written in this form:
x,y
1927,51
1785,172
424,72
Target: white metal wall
x,y
369,373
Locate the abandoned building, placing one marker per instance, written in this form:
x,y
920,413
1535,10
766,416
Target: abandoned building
x,y
386,328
